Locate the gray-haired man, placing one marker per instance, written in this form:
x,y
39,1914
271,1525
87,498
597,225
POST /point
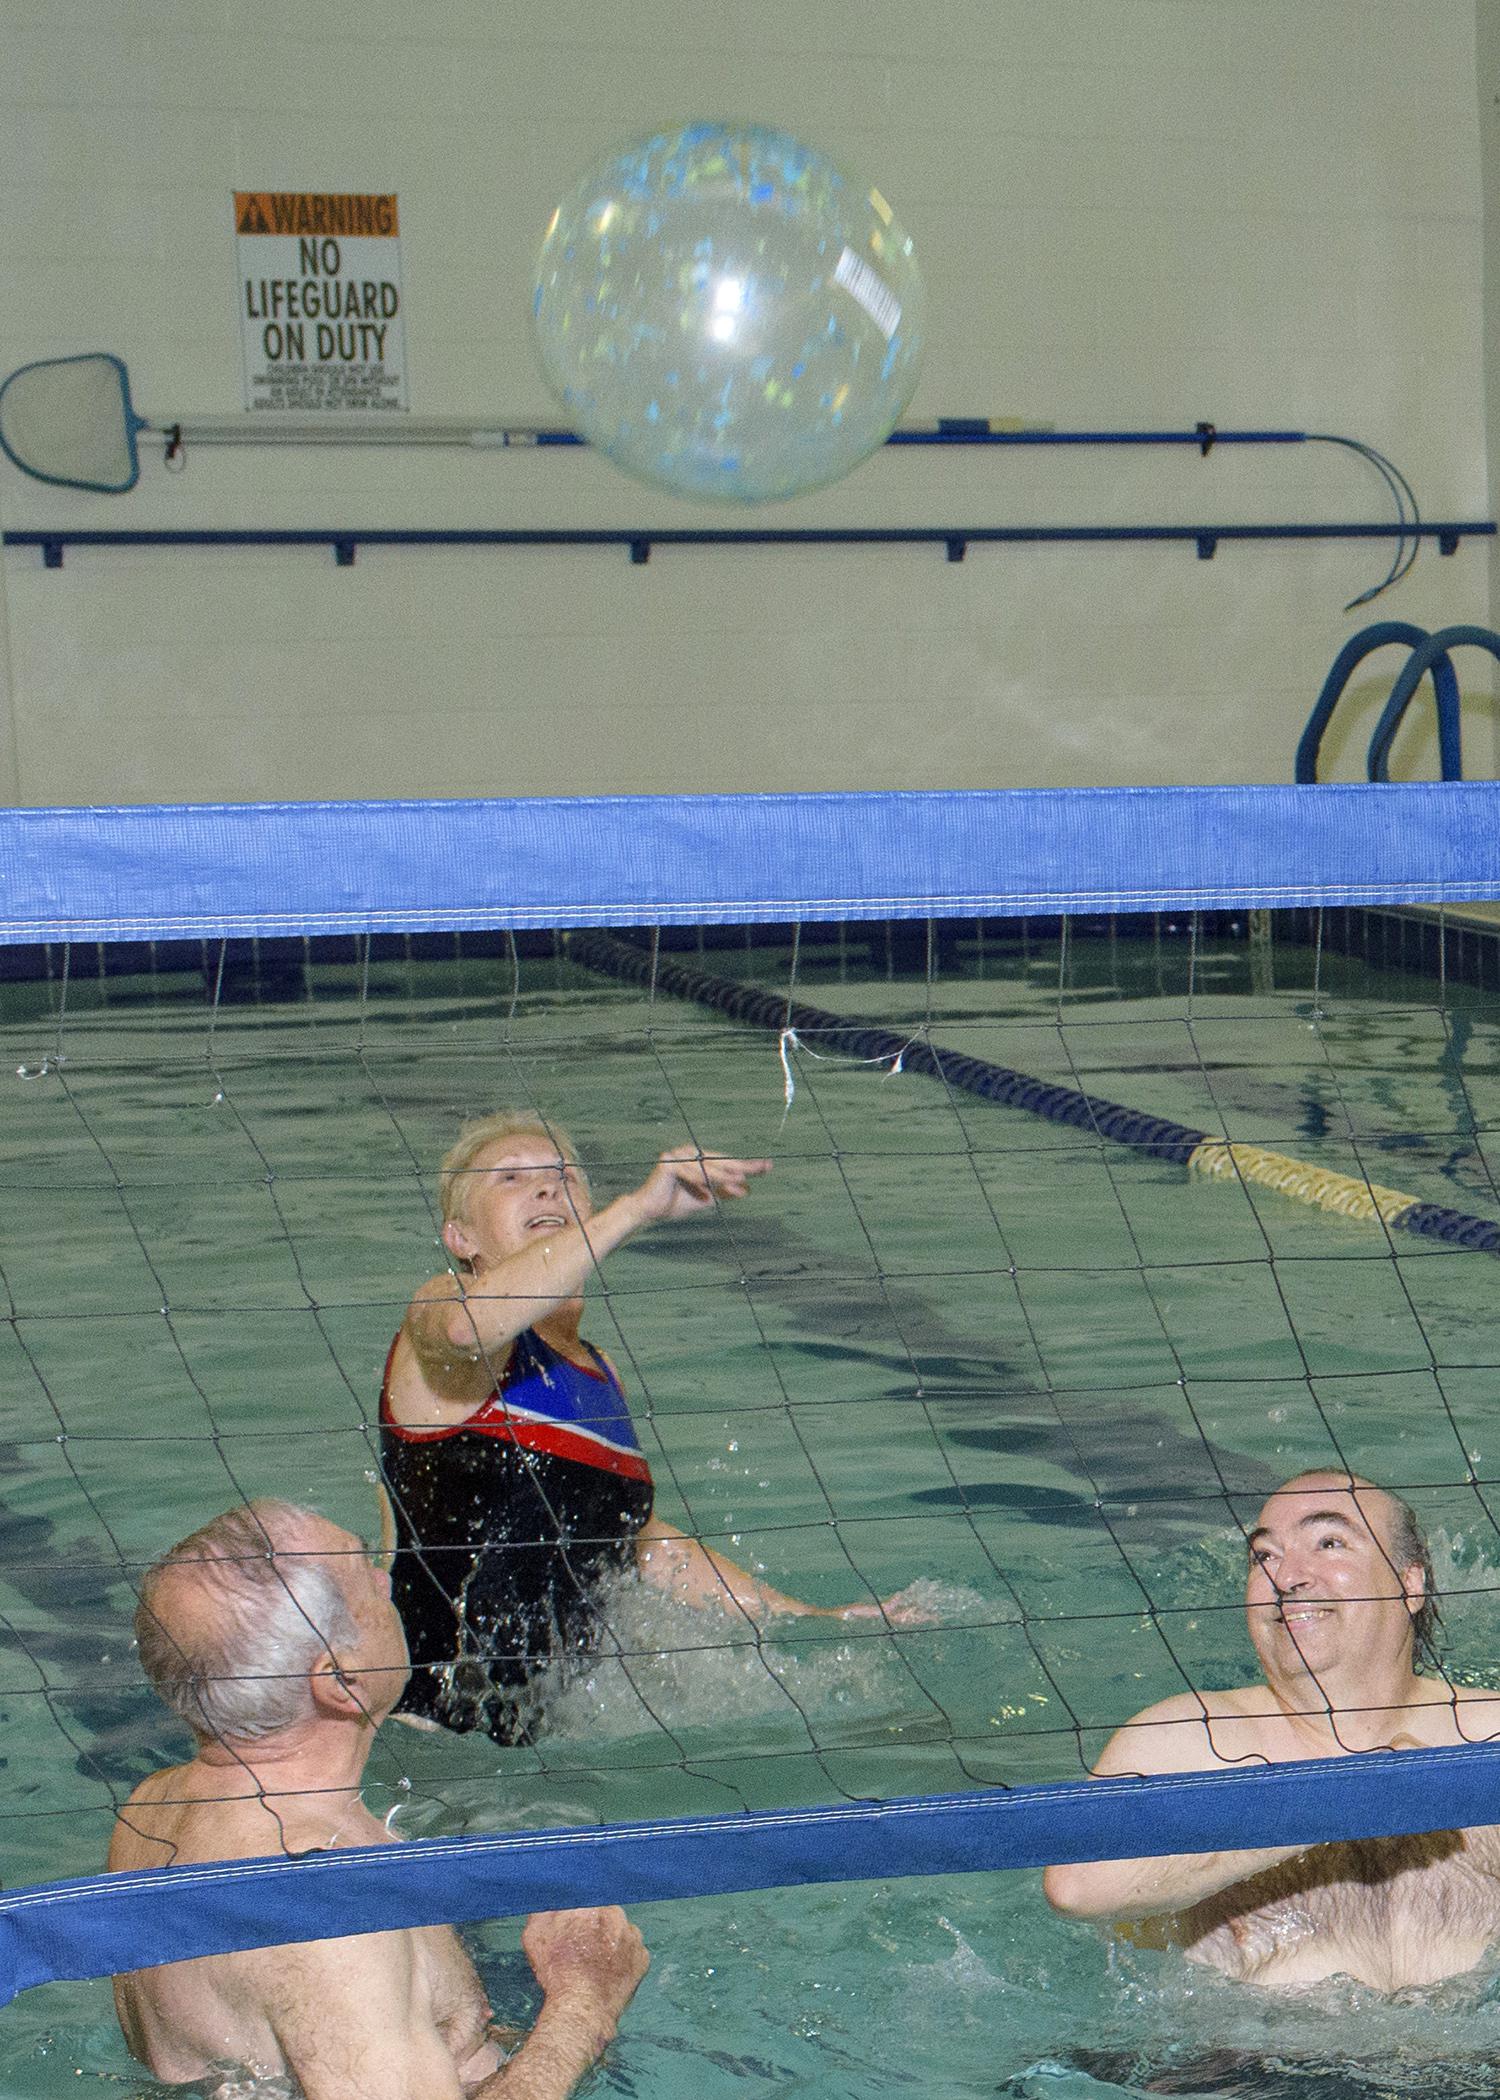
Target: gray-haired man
x,y
272,1634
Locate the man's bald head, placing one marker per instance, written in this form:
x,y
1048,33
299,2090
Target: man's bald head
x,y
1376,1504
233,1619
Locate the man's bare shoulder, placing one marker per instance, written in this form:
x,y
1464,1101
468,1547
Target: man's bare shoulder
x,y
1471,1694
187,1815
1190,1732
1444,1713
1476,1710
148,1828
166,1783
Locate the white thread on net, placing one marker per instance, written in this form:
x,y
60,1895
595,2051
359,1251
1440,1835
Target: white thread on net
x,y
788,1039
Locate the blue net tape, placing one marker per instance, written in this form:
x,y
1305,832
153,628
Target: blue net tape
x,y
109,1924
349,867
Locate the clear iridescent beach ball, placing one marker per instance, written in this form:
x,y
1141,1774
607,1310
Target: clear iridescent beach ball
x,y
727,315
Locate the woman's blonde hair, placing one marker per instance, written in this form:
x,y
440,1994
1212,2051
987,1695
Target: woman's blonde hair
x,y
455,1176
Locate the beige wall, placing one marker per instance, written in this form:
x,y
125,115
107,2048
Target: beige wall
x,y
1487,20
1130,213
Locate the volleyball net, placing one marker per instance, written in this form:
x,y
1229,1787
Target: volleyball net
x,y
1108,1191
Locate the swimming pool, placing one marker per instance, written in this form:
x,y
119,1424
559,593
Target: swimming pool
x,y
842,1380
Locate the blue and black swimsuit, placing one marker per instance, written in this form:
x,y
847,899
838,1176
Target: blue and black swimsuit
x,y
506,1525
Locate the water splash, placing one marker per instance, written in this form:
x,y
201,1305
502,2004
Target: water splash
x,y
677,1667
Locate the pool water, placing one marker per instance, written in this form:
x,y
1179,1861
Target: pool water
x,y
944,1346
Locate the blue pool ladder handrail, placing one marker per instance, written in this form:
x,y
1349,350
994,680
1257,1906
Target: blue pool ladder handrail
x,y
1428,655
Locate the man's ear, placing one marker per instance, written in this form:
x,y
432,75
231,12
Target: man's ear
x,y
333,1694
458,1240
1414,1583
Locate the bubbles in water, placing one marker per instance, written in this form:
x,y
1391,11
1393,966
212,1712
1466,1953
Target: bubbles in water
x,y
229,2081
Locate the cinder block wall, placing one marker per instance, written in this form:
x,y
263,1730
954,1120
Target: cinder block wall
x,y
1130,213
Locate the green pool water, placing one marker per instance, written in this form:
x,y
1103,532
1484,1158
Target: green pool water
x,y
944,1343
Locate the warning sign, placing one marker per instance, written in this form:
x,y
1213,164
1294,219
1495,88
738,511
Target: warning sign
x,y
321,323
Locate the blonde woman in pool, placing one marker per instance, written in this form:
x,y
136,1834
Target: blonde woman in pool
x,y
514,1481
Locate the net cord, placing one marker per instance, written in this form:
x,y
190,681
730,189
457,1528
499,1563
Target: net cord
x,y
1217,1158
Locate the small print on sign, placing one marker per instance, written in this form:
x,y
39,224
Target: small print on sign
x,y
321,325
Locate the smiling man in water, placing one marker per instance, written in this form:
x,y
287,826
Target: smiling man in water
x,y
1340,1607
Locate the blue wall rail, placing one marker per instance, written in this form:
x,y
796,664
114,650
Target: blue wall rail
x,y
962,430
640,540
1427,656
